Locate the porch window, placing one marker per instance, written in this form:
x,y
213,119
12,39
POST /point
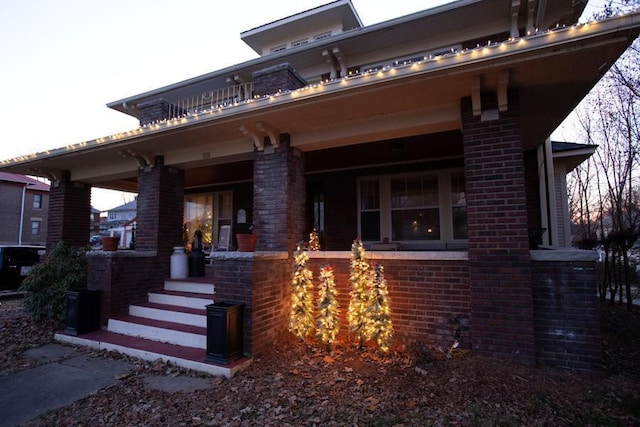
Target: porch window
x,y
207,212
413,208
370,210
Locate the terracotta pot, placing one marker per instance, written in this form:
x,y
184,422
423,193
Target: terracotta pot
x,y
246,242
110,243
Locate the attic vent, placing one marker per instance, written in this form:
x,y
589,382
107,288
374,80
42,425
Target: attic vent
x,y
322,36
278,48
300,42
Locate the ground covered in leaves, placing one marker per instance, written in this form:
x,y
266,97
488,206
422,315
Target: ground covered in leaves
x,y
300,385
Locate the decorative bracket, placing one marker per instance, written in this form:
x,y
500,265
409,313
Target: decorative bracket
x,y
476,100
143,159
503,85
271,134
257,142
49,174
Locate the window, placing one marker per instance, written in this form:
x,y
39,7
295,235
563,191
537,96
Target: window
x,y
37,201
299,42
207,213
35,228
415,211
322,35
423,207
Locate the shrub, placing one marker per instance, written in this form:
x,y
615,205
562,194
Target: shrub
x,y
63,268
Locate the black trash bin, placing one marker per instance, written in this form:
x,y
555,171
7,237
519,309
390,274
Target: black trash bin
x,y
83,311
196,264
224,332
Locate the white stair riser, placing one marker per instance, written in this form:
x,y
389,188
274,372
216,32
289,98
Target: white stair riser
x,y
169,316
158,334
180,301
198,288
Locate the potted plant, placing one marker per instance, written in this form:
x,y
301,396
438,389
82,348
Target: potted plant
x,y
110,243
247,240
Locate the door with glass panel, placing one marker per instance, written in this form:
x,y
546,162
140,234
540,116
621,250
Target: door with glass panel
x,y
207,213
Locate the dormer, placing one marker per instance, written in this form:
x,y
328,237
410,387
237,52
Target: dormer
x,y
303,28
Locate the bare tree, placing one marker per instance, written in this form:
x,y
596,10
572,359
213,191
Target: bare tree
x,y
606,187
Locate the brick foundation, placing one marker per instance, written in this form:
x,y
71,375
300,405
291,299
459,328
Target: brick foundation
x,y
567,318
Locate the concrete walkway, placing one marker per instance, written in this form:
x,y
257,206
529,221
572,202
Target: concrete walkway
x,y
66,375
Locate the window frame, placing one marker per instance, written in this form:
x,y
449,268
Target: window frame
x,y
445,207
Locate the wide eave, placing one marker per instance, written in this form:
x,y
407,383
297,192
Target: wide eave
x,y
551,70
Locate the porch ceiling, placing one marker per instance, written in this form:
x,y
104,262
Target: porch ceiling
x,y
551,78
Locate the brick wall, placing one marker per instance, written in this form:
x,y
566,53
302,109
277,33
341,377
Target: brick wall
x,y
277,78
123,278
156,110
499,260
69,212
278,197
429,299
233,278
160,211
271,300
567,319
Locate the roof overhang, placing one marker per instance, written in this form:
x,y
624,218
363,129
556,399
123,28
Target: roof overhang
x,y
552,71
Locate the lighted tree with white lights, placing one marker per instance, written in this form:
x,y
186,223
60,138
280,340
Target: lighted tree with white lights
x,y
379,326
314,241
327,321
301,322
361,279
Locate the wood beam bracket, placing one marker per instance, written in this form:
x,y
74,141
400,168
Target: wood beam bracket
x,y
143,159
503,86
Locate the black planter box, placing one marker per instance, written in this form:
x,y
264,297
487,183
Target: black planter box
x,y
83,311
224,332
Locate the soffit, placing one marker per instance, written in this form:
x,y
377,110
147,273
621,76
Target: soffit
x,y
550,81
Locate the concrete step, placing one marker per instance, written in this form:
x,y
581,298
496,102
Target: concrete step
x,y
162,331
170,313
185,357
194,286
181,299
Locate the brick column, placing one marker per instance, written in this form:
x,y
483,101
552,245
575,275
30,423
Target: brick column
x,y
499,258
69,212
278,197
160,210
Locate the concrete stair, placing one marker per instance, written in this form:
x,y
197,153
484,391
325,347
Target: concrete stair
x,y
171,325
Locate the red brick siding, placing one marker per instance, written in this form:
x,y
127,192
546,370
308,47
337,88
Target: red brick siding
x,y
278,197
428,298
234,282
69,212
122,279
567,323
274,79
271,301
499,261
160,211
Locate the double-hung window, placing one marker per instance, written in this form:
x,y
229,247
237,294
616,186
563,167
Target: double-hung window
x,y
413,208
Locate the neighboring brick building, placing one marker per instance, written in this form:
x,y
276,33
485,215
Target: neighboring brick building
x,y
24,208
428,139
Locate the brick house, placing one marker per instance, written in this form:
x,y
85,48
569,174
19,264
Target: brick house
x,y
24,207
428,140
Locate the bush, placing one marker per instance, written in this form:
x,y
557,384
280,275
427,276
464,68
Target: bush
x,y
63,268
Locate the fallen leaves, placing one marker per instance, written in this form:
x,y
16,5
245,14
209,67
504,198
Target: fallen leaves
x,y
298,385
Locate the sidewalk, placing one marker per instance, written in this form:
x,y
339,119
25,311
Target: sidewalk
x,y
65,376
68,374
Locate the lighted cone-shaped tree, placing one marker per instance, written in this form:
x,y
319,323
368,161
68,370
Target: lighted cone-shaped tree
x,y
360,278
327,322
379,326
301,315
314,241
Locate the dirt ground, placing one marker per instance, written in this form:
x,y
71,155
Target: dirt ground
x,y
301,385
